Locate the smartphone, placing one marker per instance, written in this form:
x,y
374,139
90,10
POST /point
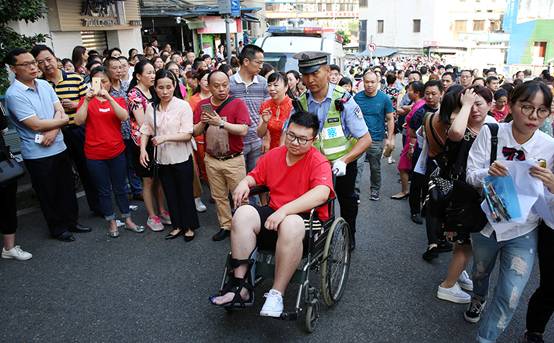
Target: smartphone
x,y
207,108
96,81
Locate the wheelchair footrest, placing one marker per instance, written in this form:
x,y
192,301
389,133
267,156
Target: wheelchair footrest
x,y
289,316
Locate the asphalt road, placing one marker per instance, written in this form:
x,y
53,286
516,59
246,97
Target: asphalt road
x,y
141,288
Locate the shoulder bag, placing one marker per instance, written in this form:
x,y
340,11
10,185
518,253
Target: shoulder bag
x,y
10,169
153,151
463,211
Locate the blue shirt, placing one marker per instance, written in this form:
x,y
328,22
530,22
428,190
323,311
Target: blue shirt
x,y
24,102
375,109
351,118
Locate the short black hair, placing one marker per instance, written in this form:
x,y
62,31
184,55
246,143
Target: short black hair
x,y
278,76
345,81
491,78
123,58
305,119
391,78
334,67
11,56
249,52
529,89
415,72
37,49
418,87
97,70
434,83
66,60
423,70
467,70
500,93
109,60
449,73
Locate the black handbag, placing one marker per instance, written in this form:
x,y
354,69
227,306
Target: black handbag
x,y
10,169
463,211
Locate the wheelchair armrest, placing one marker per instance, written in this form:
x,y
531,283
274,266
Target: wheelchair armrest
x,y
256,190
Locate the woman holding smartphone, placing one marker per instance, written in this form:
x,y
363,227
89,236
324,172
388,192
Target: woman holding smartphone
x,y
169,122
105,149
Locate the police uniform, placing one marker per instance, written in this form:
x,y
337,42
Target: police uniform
x,y
341,124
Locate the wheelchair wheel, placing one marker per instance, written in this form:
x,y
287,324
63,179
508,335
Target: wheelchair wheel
x,y
312,315
336,262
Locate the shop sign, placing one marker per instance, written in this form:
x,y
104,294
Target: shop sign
x,y
100,13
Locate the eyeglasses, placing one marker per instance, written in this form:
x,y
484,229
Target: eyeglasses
x,y
301,140
27,64
541,112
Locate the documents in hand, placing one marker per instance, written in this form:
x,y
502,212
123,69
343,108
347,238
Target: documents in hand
x,y
511,198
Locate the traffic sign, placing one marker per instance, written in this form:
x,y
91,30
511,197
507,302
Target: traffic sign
x,y
371,47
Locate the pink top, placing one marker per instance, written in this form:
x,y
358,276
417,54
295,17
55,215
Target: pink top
x,y
415,107
177,118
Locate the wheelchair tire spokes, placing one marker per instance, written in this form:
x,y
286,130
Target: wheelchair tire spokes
x,y
336,262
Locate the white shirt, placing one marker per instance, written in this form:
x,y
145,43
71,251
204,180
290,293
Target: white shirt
x,y
540,146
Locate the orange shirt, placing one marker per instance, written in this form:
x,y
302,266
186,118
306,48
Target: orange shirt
x,y
279,115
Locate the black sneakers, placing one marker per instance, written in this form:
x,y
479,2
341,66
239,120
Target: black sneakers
x,y
473,312
430,254
531,337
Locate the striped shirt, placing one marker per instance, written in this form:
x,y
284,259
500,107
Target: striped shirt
x,y
71,87
253,94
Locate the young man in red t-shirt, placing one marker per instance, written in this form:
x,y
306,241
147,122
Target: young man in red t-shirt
x,y
299,178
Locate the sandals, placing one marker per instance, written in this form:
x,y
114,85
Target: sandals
x,y
235,285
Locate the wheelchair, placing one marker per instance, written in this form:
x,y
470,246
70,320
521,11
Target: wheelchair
x,y
326,250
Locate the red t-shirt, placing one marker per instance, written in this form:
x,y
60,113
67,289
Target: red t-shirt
x,y
103,139
235,112
287,183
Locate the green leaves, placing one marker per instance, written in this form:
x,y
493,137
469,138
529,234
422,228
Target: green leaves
x,y
26,10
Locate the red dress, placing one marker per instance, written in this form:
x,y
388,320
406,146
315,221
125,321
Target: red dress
x,y
279,116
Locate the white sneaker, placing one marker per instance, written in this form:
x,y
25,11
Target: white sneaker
x,y
155,224
273,306
200,207
453,294
16,253
465,282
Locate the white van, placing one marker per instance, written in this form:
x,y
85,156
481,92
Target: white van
x,y
280,43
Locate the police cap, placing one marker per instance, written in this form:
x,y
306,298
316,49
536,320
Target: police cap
x,y
310,61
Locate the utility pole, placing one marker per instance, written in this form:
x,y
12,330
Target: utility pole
x,y
228,37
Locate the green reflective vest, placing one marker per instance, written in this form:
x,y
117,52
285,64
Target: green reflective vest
x,y
331,140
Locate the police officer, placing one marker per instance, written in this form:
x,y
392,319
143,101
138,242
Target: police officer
x,y
343,132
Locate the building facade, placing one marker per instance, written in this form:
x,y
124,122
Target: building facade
x,y
464,29
531,24
94,24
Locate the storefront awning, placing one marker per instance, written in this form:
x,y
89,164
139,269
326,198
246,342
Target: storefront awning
x,y
379,52
250,18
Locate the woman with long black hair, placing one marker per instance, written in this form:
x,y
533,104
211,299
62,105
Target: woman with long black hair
x,y
169,125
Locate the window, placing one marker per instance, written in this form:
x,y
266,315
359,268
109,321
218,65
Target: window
x,y
495,26
363,3
460,26
478,25
417,25
539,49
380,26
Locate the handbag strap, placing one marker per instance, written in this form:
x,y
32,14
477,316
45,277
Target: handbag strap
x,y
155,134
493,127
224,103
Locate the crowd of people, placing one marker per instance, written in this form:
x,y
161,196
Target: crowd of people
x,y
153,127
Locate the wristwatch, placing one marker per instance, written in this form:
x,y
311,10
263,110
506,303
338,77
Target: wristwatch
x,y
222,124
